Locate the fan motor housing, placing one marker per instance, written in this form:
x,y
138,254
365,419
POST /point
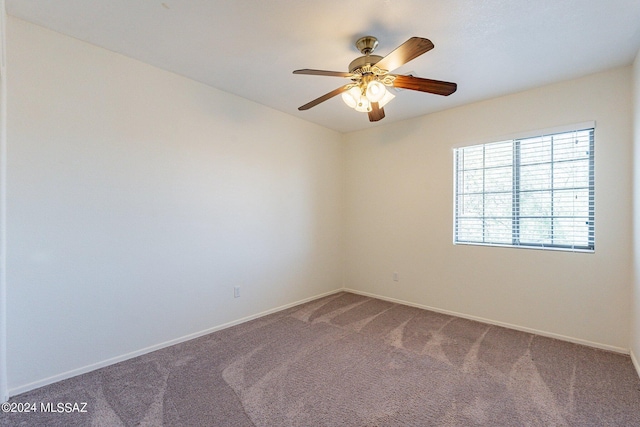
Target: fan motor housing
x,y
360,62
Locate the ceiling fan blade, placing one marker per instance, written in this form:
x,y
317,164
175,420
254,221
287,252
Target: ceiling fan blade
x,y
322,73
404,53
376,112
425,85
325,97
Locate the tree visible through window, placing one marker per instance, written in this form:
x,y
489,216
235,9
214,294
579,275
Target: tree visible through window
x,y
529,192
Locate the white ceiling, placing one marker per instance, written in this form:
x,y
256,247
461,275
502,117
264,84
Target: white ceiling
x,y
251,47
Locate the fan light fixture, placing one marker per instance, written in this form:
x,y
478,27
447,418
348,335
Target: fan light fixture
x,y
352,96
361,96
370,76
375,91
364,106
388,96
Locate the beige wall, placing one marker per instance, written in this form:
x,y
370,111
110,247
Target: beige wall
x,y
399,210
137,199
4,390
635,296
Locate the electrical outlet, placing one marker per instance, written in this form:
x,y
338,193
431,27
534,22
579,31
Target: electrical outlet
x,y
395,276
236,291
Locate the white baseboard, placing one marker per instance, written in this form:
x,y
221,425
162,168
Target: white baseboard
x,y
92,367
635,362
497,323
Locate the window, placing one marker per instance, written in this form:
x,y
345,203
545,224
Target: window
x,y
535,192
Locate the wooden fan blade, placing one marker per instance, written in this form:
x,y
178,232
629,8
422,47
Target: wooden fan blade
x,y
425,85
376,112
322,73
325,97
404,53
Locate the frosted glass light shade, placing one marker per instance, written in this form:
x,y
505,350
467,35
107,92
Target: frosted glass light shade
x,y
375,91
352,97
388,96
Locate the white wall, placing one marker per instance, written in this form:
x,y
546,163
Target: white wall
x,y
635,299
399,211
4,391
137,199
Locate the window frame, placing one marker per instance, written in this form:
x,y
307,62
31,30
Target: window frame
x,y
516,192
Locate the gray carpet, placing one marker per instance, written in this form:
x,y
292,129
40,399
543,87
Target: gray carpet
x,y
349,360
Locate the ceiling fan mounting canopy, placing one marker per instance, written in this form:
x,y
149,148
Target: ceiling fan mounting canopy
x,y
367,44
370,74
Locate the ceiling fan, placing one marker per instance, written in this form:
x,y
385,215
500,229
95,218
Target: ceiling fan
x,y
370,75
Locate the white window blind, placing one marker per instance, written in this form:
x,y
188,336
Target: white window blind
x,y
530,192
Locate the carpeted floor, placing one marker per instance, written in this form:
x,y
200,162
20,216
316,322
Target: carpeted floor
x,y
349,360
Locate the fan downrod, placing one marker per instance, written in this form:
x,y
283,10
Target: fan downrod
x,y
366,45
